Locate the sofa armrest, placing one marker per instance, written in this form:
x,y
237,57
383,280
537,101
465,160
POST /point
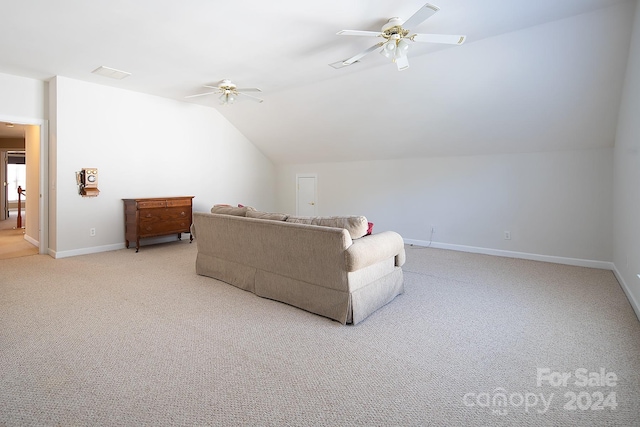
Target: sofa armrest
x,y
370,249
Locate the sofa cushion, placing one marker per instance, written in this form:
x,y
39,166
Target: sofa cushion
x,y
300,219
231,210
267,215
356,225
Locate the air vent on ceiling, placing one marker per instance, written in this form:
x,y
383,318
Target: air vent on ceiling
x,y
111,73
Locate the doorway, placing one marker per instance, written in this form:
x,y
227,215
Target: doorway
x,y
14,178
12,225
23,145
306,194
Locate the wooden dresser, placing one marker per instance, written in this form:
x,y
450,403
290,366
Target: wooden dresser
x,y
158,216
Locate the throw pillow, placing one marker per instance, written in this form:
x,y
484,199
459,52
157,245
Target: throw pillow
x,y
230,210
355,225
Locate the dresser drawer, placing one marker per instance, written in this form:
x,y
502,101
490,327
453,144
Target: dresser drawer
x,y
180,212
158,228
178,202
147,204
165,214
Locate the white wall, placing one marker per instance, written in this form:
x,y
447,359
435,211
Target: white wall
x,y
626,250
32,210
556,204
22,100
143,146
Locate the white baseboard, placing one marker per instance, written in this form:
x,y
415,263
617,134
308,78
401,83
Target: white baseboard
x,y
623,284
113,247
31,240
511,254
86,251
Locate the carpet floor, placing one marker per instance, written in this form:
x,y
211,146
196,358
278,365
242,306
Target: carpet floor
x,y
124,338
12,242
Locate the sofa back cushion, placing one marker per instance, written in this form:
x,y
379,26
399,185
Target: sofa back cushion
x,y
267,215
357,226
231,210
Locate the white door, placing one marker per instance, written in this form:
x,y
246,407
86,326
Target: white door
x,y
306,195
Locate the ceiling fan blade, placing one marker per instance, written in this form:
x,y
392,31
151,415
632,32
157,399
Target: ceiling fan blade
x,y
210,87
248,89
402,63
438,38
355,58
337,65
420,16
358,33
253,98
201,94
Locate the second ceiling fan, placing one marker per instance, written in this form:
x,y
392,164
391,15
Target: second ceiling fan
x,y
229,92
396,35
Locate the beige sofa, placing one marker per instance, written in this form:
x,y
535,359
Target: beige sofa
x,y
332,271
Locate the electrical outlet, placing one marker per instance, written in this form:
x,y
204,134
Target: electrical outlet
x,y
92,232
507,235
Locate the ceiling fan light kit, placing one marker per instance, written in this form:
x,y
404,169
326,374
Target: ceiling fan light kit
x,y
227,98
396,33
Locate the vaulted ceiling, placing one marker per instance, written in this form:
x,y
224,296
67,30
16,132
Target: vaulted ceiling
x,y
532,75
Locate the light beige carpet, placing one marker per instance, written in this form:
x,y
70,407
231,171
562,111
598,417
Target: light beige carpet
x,y
12,242
122,339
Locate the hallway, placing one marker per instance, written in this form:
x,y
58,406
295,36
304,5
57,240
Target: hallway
x,y
12,242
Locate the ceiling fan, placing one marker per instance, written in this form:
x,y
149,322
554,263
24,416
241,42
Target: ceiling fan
x,y
229,92
396,35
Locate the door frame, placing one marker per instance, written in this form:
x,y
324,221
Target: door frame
x,y
3,184
43,170
315,190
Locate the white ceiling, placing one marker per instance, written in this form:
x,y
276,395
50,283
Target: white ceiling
x,y
447,103
12,130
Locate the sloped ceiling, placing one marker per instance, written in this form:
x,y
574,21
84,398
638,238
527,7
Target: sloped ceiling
x,y
532,76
